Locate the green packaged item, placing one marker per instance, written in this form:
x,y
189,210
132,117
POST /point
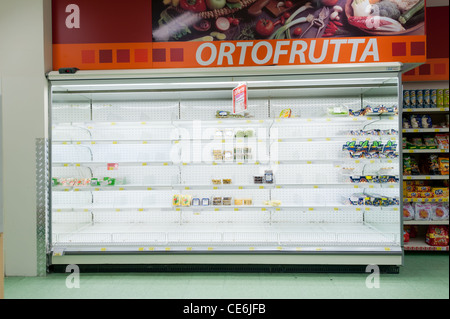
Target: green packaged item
x,y
430,142
440,97
95,182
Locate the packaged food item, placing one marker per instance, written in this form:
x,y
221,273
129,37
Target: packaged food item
x,y
176,200
426,98
217,201
338,110
286,113
442,141
248,201
226,201
217,155
423,188
228,156
205,201
419,98
196,201
405,236
433,98
411,230
406,99
216,181
238,202
408,211
440,192
426,121
439,211
186,200
412,98
443,165
226,181
446,98
422,211
413,194
268,176
433,165
222,114
258,179
440,98
426,194
239,133
418,143
437,236
430,142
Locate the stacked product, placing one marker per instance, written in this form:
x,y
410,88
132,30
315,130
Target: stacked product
x,y
70,181
425,211
435,235
375,200
375,149
420,189
425,98
188,200
431,165
439,141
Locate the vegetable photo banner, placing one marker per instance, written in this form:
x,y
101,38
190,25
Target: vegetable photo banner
x,y
145,34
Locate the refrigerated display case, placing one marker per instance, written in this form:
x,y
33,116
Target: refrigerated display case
x,y
152,167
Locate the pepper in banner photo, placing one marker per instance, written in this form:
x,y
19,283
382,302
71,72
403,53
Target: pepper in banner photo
x,y
193,5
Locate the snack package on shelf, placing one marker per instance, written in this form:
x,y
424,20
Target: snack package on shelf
x,y
422,211
408,211
437,236
338,111
405,236
439,211
433,167
443,165
442,141
411,230
410,166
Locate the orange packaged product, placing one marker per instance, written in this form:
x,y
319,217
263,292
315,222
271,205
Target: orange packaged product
x,y
443,165
440,191
423,189
413,194
426,194
422,211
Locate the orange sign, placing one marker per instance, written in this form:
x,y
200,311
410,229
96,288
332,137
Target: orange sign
x,y
189,34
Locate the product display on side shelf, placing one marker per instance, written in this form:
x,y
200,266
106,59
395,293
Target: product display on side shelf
x,y
423,189
429,142
435,236
425,98
431,165
425,211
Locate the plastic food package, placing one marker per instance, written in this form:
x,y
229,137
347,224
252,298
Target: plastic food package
x,y
443,165
437,235
408,212
422,211
439,211
286,113
405,237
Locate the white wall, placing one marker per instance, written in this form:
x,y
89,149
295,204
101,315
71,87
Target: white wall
x,y
25,57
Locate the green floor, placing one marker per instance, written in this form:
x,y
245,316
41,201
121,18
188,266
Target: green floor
x,y
424,275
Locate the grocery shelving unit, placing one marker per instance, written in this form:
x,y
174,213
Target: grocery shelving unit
x,y
154,136
438,113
